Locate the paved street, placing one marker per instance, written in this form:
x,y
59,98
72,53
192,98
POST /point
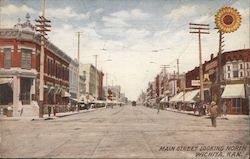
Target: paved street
x,y
122,132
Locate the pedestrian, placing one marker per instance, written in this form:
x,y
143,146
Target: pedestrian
x,y
158,109
54,110
21,111
213,113
224,108
49,110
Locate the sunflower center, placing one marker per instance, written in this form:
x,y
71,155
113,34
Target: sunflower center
x,y
228,19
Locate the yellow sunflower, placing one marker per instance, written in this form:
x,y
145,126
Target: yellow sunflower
x,y
227,19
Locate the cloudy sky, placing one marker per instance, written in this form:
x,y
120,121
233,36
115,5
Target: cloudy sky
x,y
133,38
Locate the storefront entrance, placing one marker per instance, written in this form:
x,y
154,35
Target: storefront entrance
x,y
25,86
6,94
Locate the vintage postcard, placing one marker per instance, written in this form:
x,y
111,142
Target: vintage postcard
x,y
125,79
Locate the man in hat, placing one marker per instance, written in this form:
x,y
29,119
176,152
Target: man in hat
x,y
213,113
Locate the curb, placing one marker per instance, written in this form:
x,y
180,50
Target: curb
x,y
46,118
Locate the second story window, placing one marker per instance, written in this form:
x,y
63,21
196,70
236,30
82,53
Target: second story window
x,y
7,57
241,66
228,68
26,58
241,74
50,67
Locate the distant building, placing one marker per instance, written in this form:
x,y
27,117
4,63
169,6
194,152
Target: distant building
x,y
93,80
73,67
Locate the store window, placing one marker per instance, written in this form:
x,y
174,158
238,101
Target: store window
x,y
236,105
26,58
7,57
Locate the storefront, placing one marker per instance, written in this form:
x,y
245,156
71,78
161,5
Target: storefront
x,y
236,99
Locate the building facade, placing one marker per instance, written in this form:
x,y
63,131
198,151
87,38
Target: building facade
x,y
20,65
73,67
235,74
93,80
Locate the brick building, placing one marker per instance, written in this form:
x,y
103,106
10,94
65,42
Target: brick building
x,y
235,66
20,65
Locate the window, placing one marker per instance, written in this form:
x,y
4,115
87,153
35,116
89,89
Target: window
x,y
236,105
241,66
58,71
50,67
235,66
235,74
228,75
248,74
247,65
241,74
26,58
228,68
7,57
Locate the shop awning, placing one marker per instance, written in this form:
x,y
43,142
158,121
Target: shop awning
x,y
5,80
177,98
74,99
164,100
190,96
65,93
87,97
234,91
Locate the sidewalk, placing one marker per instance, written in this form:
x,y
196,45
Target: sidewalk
x,y
227,117
46,117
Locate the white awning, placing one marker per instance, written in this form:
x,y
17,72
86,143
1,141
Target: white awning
x,y
234,91
189,96
177,98
65,94
164,100
74,99
5,80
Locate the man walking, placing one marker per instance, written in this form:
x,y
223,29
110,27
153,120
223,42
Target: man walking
x,y
213,113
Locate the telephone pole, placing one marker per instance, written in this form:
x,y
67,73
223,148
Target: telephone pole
x,y
164,67
96,76
200,29
178,83
221,45
42,29
78,62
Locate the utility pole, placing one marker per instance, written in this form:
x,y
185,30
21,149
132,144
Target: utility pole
x,y
174,83
178,69
164,67
1,6
107,86
96,76
200,29
78,62
221,45
178,83
42,29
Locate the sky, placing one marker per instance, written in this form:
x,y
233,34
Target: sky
x,y
132,38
